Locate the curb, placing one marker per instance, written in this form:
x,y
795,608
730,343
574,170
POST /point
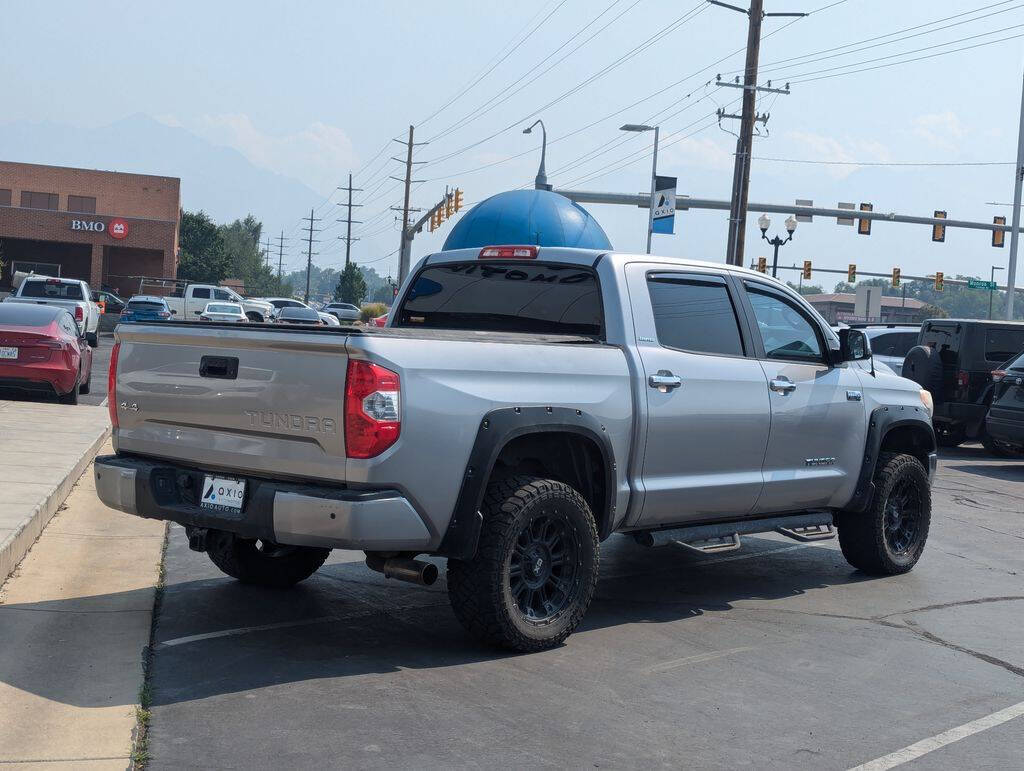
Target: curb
x,y
17,544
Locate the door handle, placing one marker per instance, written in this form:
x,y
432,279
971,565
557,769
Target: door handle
x,y
782,385
664,381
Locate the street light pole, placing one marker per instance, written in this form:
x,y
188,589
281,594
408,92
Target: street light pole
x,y
992,280
1018,178
654,174
541,182
763,222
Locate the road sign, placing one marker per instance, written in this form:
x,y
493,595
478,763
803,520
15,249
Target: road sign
x,y
977,283
664,205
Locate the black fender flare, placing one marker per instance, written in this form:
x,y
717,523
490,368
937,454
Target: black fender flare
x,y
883,420
497,428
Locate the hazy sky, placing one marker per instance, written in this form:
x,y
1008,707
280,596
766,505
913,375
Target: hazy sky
x,y
316,89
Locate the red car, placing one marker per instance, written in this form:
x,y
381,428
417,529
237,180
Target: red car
x,y
380,321
42,350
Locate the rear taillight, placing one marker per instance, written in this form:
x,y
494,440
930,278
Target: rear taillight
x,y
998,375
962,379
164,315
373,411
112,384
508,253
79,313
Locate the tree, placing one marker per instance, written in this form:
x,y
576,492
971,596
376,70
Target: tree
x,y
928,311
806,288
202,249
351,285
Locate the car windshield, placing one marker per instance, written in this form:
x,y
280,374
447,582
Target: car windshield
x,y
145,305
52,288
1017,364
212,308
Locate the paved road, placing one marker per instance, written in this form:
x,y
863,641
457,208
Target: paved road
x,y
777,656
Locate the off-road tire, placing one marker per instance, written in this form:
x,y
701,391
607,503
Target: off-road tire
x,y
480,589
923,365
263,563
863,536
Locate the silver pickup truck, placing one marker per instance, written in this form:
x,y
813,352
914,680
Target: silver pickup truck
x,y
523,404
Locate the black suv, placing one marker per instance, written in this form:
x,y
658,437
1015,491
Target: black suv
x,y
1005,422
958,371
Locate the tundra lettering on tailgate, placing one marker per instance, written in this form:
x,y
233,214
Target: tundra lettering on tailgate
x,y
291,422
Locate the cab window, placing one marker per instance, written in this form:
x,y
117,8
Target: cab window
x,y
201,294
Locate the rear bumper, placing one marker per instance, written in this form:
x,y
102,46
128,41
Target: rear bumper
x,y
297,514
46,377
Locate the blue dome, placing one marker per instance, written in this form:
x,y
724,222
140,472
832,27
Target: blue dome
x,y
536,217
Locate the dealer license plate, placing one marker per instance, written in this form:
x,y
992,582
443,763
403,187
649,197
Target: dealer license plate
x,y
8,353
222,494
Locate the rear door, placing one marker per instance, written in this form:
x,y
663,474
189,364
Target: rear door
x,y
817,410
707,405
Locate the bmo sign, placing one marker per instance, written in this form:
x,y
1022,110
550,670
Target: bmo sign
x,y
116,228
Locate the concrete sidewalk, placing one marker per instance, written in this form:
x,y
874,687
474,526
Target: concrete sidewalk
x,y
74,625
44,448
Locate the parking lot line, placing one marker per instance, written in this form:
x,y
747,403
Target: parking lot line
x,y
938,741
696,659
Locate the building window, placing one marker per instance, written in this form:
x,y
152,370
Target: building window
x,y
84,204
5,197
30,200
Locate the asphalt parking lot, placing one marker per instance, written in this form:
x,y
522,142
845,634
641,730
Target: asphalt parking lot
x,y
779,655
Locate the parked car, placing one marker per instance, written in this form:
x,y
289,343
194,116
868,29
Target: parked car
x,y
1005,420
301,315
954,360
380,321
343,311
279,303
44,350
329,319
70,294
144,307
108,301
194,298
223,312
890,343
524,404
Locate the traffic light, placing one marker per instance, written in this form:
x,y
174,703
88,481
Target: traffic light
x,y
458,199
939,231
436,219
998,236
938,281
851,274
448,210
895,276
807,268
762,265
864,225
432,226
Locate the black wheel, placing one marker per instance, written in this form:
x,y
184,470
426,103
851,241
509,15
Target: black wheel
x,y
254,317
949,436
923,365
92,338
85,386
889,537
535,569
264,563
71,397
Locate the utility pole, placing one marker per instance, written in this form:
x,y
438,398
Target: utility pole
x,y
748,117
347,238
405,243
280,258
309,251
1018,178
266,252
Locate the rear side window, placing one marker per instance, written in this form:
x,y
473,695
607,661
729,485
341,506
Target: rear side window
x,y
56,290
694,314
1001,344
497,296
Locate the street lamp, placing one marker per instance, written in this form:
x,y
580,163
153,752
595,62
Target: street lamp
x,y
541,182
991,280
654,173
764,223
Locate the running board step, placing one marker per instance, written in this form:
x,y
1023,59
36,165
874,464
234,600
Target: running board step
x,y
808,533
712,545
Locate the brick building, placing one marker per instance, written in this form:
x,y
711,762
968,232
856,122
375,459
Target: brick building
x,y
840,307
106,227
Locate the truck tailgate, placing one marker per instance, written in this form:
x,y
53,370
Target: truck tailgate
x,y
259,400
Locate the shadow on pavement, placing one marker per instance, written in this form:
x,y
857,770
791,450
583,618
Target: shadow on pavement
x,y
1011,471
217,636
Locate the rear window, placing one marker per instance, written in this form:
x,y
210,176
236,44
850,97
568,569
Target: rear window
x,y
212,308
941,336
497,296
145,305
1016,364
56,290
27,314
1001,344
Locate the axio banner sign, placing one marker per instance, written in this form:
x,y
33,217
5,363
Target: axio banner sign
x,y
664,204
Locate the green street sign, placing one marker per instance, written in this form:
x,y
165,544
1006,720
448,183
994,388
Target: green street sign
x,y
977,283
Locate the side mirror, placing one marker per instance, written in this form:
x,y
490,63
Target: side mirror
x,y
854,345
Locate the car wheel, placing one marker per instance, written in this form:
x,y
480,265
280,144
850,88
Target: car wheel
x,y
889,537
255,317
71,397
535,568
92,339
86,386
262,562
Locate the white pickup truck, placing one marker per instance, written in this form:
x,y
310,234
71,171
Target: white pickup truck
x,y
70,293
194,297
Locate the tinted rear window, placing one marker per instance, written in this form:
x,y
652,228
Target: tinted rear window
x,y
1001,344
694,314
57,291
497,296
222,309
27,315
145,305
